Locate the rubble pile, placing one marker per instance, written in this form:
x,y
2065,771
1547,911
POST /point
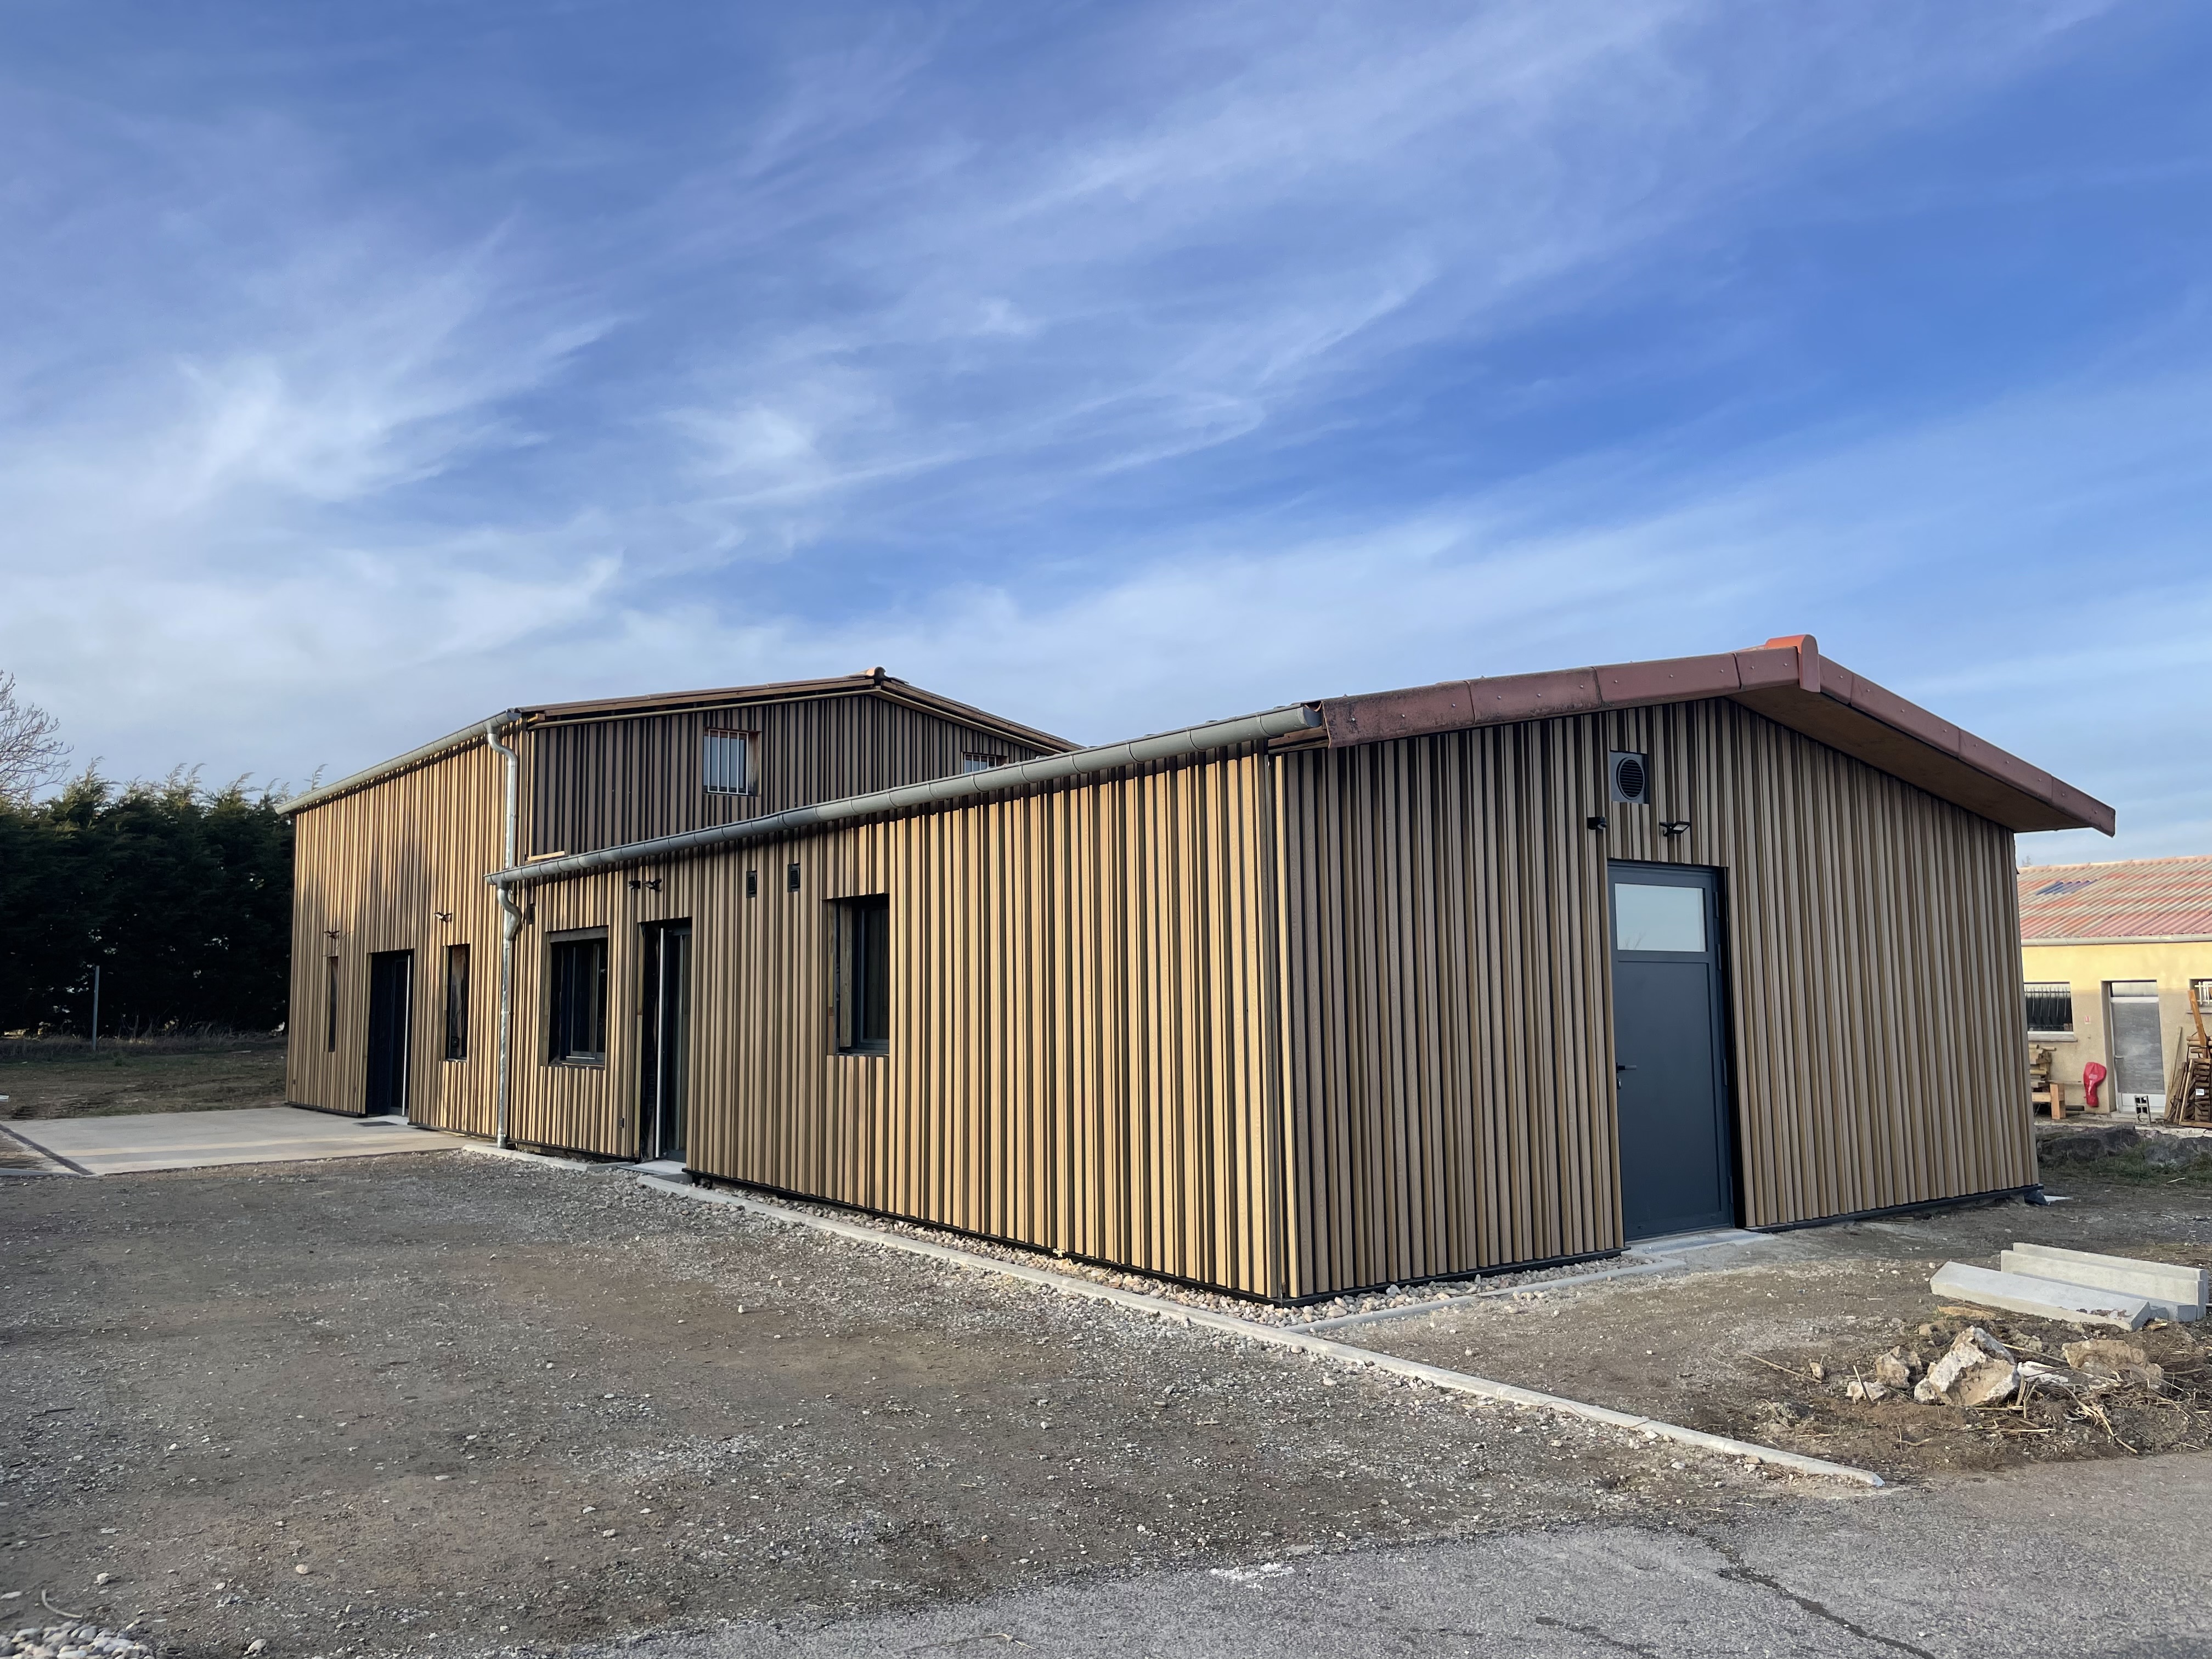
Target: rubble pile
x,y
1978,1370
70,1642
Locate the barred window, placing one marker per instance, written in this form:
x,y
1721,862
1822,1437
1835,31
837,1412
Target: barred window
x,y
977,761
733,763
2050,1010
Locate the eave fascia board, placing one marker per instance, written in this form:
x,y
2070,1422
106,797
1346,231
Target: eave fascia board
x,y
1787,680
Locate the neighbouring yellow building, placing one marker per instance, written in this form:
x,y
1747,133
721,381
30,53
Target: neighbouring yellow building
x,y
2109,953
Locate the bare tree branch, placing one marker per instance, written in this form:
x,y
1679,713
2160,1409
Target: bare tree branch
x,y
30,755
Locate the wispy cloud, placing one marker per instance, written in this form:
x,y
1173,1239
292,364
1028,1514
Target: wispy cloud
x,y
1112,367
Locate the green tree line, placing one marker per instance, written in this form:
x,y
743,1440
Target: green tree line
x,y
180,894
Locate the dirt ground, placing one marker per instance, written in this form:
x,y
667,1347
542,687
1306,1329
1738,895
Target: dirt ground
x,y
1729,1344
148,1077
506,1406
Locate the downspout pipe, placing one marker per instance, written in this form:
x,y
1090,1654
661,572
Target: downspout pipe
x,y
510,924
1168,745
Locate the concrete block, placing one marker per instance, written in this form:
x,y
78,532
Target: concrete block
x,y
2044,1298
2180,1290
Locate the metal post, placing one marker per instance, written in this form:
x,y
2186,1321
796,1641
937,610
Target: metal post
x,y
95,1008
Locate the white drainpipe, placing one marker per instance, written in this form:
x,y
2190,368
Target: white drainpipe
x,y
511,920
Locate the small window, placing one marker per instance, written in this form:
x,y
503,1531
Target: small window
x,y
733,763
864,975
457,1002
974,761
2050,1010
1648,918
2204,989
752,883
576,974
330,1004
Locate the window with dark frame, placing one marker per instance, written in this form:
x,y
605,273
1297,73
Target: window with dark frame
x,y
2204,989
330,1004
2050,1010
731,765
977,761
576,1009
864,975
457,1002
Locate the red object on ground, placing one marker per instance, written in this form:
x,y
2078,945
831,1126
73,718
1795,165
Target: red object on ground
x,y
2092,1075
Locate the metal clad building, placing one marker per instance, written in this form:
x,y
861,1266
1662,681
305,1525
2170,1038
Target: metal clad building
x,y
1376,989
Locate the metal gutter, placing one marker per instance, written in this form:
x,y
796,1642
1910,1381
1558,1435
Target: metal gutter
x,y
1167,745
467,737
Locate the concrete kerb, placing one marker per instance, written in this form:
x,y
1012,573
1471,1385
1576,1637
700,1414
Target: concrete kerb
x,y
1299,1341
1378,1315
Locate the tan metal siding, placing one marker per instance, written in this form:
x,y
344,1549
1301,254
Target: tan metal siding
x,y
1446,985
599,782
377,867
1080,1054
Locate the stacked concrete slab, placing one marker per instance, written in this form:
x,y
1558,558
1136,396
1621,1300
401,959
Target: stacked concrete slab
x,y
2079,1286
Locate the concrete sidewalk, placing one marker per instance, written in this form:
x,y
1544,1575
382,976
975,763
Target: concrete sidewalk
x,y
201,1140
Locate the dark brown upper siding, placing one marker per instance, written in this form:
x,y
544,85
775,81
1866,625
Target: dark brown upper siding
x,y
1446,985
595,779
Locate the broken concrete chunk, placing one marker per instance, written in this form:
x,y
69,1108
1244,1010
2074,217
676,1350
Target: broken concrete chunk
x,y
1898,1368
2178,1294
1978,1370
2044,1298
2106,1351
1858,1388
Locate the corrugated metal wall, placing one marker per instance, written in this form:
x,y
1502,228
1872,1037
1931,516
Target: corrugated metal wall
x,y
1448,986
378,865
1287,1024
1081,1055
601,782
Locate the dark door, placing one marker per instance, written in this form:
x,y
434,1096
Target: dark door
x,y
666,1062
391,987
1670,1049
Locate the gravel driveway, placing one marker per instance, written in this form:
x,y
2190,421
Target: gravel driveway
x,y
454,1404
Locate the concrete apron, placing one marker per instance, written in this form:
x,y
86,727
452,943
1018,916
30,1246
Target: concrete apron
x,y
1437,1376
145,1142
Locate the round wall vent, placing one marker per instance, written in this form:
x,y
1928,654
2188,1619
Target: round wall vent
x,y
1632,779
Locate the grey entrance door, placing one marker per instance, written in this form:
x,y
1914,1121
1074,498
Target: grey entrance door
x,y
1670,1049
667,1061
391,984
2138,1050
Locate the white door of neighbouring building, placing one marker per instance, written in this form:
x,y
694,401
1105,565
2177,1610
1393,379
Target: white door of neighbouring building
x,y
2138,1053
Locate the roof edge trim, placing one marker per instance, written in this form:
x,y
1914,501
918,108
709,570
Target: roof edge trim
x,y
1788,680
467,735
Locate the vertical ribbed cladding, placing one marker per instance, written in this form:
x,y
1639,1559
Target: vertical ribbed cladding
x,y
605,782
1444,1032
378,865
1082,1054
1447,986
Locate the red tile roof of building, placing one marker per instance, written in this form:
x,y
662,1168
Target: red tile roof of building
x,y
2126,899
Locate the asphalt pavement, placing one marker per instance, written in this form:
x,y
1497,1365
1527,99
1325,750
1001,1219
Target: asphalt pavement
x,y
2111,1559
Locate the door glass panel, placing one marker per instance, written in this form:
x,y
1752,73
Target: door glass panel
x,y
1648,918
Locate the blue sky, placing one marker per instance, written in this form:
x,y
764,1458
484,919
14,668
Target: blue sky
x,y
1114,367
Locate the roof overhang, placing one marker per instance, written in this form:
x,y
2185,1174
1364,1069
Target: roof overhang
x,y
1788,681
